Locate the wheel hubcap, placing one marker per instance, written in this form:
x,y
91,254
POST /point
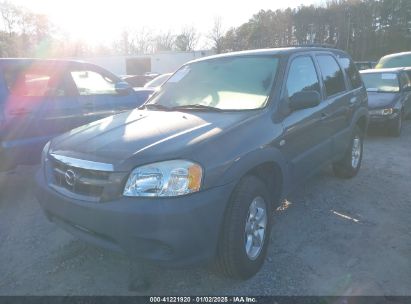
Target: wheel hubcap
x,y
255,226
356,151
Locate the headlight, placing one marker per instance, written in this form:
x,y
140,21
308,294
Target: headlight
x,y
383,112
44,153
162,179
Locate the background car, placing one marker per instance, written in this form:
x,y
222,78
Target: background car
x,y
158,81
365,65
408,71
40,99
137,81
389,97
150,87
395,61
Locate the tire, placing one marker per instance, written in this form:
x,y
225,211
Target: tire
x,y
238,256
396,126
350,164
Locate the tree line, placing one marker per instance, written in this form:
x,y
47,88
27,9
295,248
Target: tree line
x,y
367,29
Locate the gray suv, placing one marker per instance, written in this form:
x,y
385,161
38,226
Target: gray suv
x,y
195,173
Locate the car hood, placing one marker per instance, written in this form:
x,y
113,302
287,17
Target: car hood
x,y
140,136
381,100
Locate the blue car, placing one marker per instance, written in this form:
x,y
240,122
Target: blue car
x,y
40,99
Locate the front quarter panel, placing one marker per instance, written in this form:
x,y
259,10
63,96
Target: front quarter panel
x,y
228,157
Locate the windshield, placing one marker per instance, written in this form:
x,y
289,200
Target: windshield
x,y
229,83
394,62
381,82
158,81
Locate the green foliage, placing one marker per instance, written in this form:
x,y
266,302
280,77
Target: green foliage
x,y
367,29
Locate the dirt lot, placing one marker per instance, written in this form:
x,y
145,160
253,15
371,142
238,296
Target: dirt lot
x,y
333,237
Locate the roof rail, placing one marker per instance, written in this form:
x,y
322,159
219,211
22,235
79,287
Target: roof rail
x,y
319,45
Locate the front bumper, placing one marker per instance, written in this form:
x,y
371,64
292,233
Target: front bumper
x,y
382,120
173,231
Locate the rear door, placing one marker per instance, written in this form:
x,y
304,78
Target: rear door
x,y
341,100
306,143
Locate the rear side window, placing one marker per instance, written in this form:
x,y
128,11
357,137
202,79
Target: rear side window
x,y
302,76
32,81
332,75
351,71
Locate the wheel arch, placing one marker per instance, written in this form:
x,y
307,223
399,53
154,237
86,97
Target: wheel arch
x,y
361,119
269,165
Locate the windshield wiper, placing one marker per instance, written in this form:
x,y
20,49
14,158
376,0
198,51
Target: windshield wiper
x,y
197,107
155,106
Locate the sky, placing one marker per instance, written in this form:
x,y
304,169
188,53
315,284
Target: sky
x,y
103,21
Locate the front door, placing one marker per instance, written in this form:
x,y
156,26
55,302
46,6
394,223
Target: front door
x,y
305,141
97,93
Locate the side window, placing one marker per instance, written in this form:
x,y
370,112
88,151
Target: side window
x,y
93,83
333,76
33,81
351,70
405,81
408,72
302,76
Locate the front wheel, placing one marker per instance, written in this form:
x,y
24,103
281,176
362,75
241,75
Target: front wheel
x,y
350,164
246,230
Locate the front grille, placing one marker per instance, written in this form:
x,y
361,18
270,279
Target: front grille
x,y
83,184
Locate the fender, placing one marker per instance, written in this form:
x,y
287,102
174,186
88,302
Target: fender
x,y
246,163
358,114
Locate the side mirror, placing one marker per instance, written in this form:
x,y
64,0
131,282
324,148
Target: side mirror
x,y
123,88
304,100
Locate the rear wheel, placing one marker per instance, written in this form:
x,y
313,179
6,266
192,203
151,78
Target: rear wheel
x,y
350,164
246,230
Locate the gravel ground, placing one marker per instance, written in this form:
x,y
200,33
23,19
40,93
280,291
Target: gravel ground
x,y
332,237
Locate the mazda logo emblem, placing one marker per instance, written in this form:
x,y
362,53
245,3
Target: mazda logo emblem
x,y
70,177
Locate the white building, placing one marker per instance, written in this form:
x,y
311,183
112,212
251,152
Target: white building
x,y
163,62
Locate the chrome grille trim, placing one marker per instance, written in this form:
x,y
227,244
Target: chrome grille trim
x,y
86,180
83,164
